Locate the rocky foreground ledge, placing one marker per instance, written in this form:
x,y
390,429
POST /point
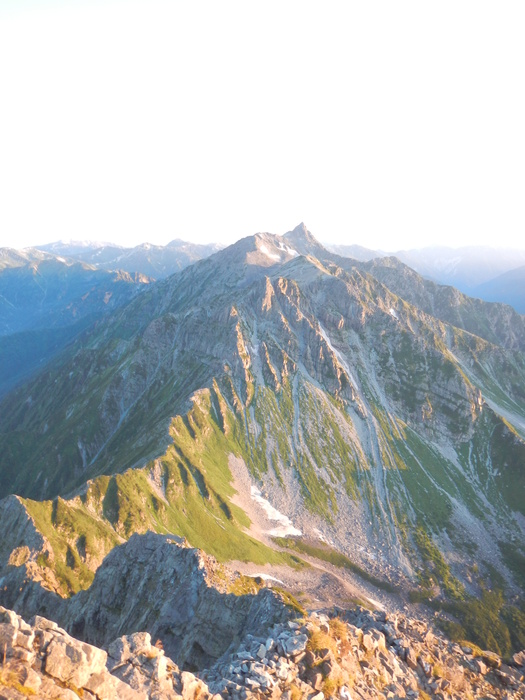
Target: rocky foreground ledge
x,y
42,660
355,655
163,621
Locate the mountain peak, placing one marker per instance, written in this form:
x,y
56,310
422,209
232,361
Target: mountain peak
x,y
300,231
304,242
301,227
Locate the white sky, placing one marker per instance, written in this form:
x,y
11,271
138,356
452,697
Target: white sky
x,y
389,124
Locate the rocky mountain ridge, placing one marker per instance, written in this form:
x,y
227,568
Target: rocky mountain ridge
x,y
392,429
42,660
468,269
155,261
474,270
356,654
160,585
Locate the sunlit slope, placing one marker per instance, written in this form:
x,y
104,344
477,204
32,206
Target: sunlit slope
x,y
395,434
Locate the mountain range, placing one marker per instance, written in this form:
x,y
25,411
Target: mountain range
x,y
46,301
492,274
154,261
52,294
508,287
381,414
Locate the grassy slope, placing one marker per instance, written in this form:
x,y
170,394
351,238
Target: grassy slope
x,y
301,427
186,492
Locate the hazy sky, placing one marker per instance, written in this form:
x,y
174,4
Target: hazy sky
x,y
389,124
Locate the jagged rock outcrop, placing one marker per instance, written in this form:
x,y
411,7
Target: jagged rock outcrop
x,y
21,541
498,323
175,592
355,655
159,584
41,660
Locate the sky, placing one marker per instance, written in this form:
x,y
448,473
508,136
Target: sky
x,y
387,124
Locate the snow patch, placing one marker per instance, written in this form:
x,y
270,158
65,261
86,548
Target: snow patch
x,y
287,249
393,313
272,256
321,537
266,577
285,527
82,451
61,259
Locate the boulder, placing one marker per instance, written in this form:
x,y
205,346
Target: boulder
x,y
124,648
478,666
295,645
491,659
519,659
411,658
73,662
104,685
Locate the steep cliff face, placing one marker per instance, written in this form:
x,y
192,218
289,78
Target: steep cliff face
x,y
177,594
160,585
367,410
21,540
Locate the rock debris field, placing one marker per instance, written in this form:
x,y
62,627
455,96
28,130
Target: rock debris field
x,y
355,654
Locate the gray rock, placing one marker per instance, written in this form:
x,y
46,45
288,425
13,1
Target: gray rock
x,y
519,659
104,685
41,623
491,659
478,666
133,677
25,639
8,617
295,645
122,649
29,678
156,584
73,662
411,659
8,635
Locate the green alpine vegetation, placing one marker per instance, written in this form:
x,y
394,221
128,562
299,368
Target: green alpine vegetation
x,y
369,405
185,492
